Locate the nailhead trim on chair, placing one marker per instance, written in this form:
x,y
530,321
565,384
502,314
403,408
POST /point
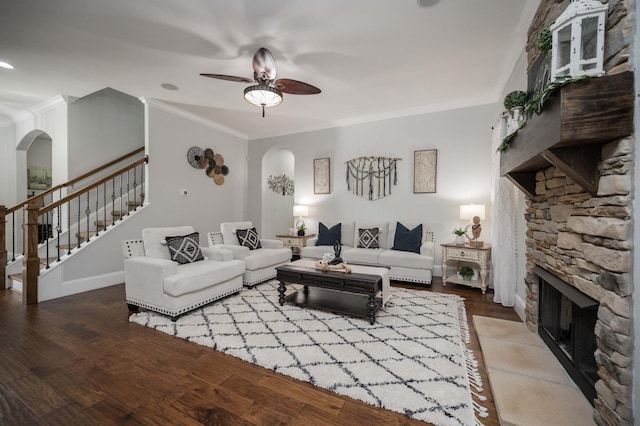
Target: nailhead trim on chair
x,y
183,310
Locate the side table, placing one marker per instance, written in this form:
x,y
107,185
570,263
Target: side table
x,y
295,242
480,256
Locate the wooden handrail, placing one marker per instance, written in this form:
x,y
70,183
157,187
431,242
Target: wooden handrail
x,y
36,198
87,188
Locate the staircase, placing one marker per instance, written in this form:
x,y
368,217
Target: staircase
x,y
73,221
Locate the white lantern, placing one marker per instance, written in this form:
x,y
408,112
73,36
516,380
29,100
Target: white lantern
x,y
578,39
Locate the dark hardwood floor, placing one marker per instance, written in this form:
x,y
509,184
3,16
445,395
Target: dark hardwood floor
x,y
78,361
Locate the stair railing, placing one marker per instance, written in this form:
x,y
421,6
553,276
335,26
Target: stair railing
x,y
50,222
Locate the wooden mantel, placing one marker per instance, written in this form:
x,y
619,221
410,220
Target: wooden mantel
x,y
577,120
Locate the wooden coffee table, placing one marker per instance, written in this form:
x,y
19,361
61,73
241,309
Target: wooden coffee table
x,y
340,292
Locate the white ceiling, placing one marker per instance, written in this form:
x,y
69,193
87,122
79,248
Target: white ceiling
x,y
372,58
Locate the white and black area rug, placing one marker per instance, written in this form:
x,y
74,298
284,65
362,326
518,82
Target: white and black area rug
x,y
413,360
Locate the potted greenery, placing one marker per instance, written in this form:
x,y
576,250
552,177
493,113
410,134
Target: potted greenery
x,y
465,272
301,229
515,99
515,102
459,236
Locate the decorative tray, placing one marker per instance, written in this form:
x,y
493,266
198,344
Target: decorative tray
x,y
340,267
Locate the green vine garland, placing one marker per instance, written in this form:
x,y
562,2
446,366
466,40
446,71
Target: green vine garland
x,y
536,103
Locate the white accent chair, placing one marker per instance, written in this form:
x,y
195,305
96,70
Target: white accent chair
x,y
260,264
154,281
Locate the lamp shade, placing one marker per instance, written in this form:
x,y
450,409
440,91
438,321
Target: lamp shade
x,y
301,210
468,211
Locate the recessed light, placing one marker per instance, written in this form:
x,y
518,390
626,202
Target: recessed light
x,y
169,86
6,65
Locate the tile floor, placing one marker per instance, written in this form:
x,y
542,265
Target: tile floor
x,y
529,385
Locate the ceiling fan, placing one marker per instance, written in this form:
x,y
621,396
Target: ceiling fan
x,y
268,92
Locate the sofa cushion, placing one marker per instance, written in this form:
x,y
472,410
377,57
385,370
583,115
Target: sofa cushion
x,y
368,238
185,249
153,240
362,255
262,258
405,259
316,252
249,238
407,239
328,236
199,275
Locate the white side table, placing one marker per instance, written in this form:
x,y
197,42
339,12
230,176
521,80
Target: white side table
x,y
295,242
454,253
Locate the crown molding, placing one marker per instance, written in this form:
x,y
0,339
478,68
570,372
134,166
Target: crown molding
x,y
192,117
45,106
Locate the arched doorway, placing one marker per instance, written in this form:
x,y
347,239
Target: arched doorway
x,y
34,164
277,209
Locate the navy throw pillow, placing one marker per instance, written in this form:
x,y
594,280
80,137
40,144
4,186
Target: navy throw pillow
x,y
329,236
407,240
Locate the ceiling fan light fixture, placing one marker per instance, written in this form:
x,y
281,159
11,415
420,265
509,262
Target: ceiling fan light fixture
x,y
262,95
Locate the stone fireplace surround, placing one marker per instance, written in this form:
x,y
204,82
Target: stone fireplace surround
x,y
585,241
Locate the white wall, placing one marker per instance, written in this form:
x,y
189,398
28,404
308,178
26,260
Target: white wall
x,y
103,126
7,165
462,138
169,138
277,209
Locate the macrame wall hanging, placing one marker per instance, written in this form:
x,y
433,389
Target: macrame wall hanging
x,y
372,177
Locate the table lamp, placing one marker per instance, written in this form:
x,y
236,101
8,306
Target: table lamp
x,y
300,211
474,213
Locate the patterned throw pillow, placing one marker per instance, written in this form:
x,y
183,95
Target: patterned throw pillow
x,y
185,249
368,238
249,238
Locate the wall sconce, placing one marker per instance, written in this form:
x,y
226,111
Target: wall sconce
x,y
578,39
474,213
300,211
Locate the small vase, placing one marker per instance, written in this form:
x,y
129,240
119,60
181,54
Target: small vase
x,y
460,240
300,233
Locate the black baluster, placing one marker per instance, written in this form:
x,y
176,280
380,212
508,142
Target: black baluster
x,y
97,208
135,188
128,194
121,215
113,199
78,222
69,226
46,237
104,204
13,235
87,212
58,230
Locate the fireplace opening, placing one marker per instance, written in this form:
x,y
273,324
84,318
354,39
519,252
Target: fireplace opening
x,y
567,320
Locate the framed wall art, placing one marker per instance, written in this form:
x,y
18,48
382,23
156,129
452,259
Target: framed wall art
x,y
321,176
424,171
38,177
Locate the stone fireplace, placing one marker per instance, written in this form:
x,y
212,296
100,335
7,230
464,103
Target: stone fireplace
x,y
575,163
584,241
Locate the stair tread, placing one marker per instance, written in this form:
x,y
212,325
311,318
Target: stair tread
x,y
16,277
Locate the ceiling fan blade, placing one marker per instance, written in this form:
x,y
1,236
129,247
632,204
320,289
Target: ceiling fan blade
x,y
264,67
229,78
295,87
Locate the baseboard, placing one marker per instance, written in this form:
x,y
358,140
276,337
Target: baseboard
x,y
91,283
520,307
50,285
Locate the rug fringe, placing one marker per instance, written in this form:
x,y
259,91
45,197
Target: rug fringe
x,y
475,380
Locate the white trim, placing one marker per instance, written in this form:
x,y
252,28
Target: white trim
x,y
41,108
520,308
189,116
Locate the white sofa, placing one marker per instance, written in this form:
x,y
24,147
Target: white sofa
x,y
403,265
154,281
260,264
